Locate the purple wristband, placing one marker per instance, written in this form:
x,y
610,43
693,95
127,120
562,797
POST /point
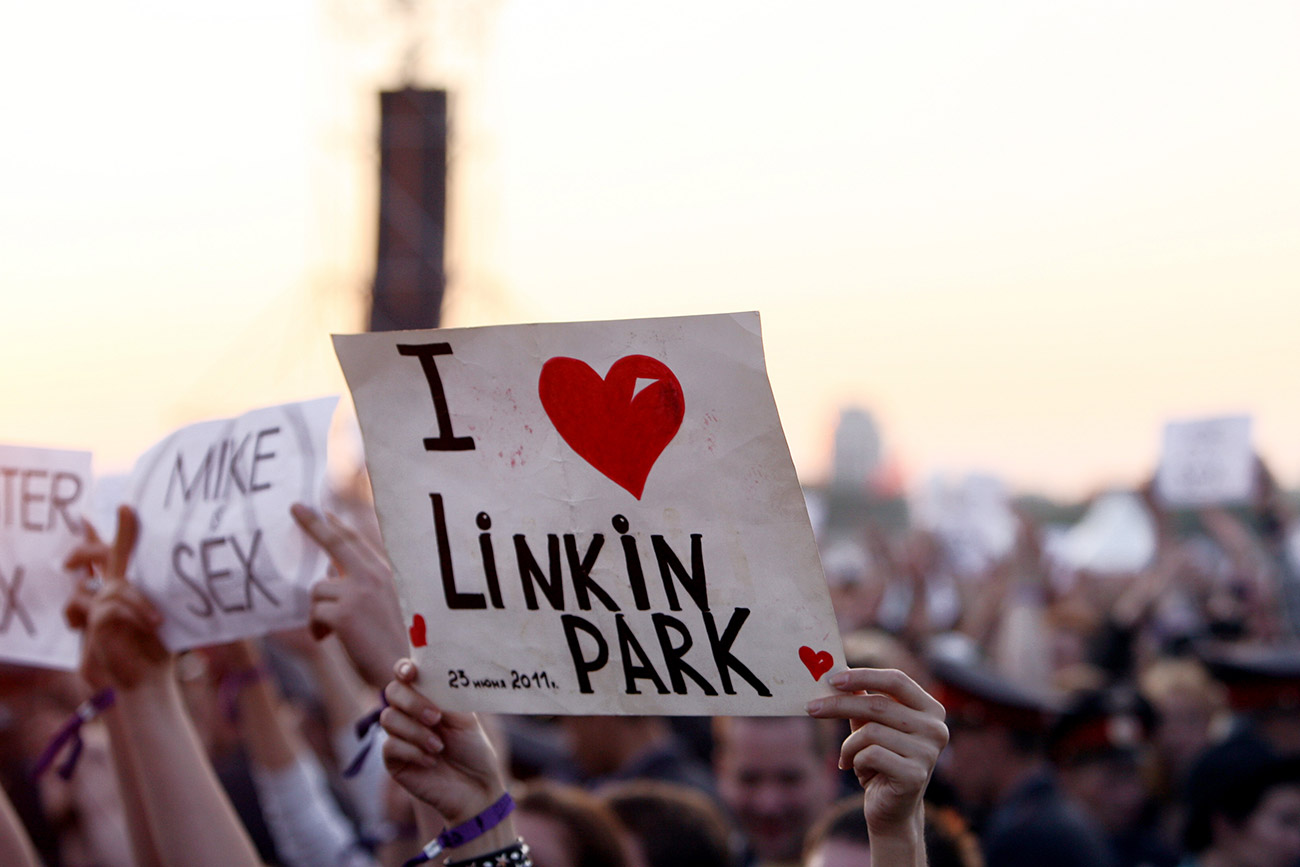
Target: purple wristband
x,y
70,732
463,833
366,729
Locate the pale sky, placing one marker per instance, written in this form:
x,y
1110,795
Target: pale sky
x,y
1023,234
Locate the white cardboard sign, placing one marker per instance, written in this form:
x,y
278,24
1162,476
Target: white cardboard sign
x,y
594,517
43,493
219,552
971,515
1206,462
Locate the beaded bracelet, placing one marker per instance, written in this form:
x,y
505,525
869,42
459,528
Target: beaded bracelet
x,y
515,855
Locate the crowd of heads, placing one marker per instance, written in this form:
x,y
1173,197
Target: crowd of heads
x,y
1143,718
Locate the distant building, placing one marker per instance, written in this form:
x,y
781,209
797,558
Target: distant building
x,y
856,461
409,277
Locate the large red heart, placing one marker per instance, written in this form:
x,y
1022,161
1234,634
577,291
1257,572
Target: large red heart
x,y
817,663
618,432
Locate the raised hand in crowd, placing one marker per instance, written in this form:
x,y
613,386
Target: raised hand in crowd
x,y
1161,519
91,558
1252,595
127,652
1275,513
445,760
1137,599
1236,540
898,734
346,700
305,821
359,605
189,818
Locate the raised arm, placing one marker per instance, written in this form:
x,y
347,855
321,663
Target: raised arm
x,y
91,559
189,816
898,733
305,821
346,700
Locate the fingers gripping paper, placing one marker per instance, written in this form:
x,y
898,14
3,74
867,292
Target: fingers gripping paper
x,y
43,494
219,553
594,517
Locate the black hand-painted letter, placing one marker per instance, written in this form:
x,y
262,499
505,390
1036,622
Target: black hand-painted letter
x,y
13,606
456,599
446,440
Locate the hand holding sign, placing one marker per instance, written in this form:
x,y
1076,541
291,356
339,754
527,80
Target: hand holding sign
x,y
360,605
898,734
442,757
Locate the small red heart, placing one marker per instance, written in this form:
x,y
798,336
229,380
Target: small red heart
x,y
817,663
619,433
418,637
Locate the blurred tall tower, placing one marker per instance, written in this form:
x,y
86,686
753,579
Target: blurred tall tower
x,y
856,461
409,268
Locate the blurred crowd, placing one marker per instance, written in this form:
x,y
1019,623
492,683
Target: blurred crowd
x,y
1147,714
1124,692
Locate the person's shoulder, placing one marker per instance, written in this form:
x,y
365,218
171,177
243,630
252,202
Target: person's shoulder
x,y
1048,839
1039,827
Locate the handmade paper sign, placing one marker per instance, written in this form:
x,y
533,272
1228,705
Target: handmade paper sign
x,y
43,493
219,552
594,517
1207,462
972,517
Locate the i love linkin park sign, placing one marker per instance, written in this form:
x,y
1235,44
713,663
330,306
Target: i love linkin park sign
x,y
594,517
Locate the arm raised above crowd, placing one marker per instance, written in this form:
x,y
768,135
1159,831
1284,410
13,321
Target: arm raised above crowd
x,y
190,819
90,558
898,733
305,821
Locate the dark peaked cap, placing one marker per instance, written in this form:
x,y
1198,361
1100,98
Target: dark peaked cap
x,y
1098,723
974,696
1257,678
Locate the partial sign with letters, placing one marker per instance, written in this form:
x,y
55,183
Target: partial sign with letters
x,y
594,517
219,552
43,495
